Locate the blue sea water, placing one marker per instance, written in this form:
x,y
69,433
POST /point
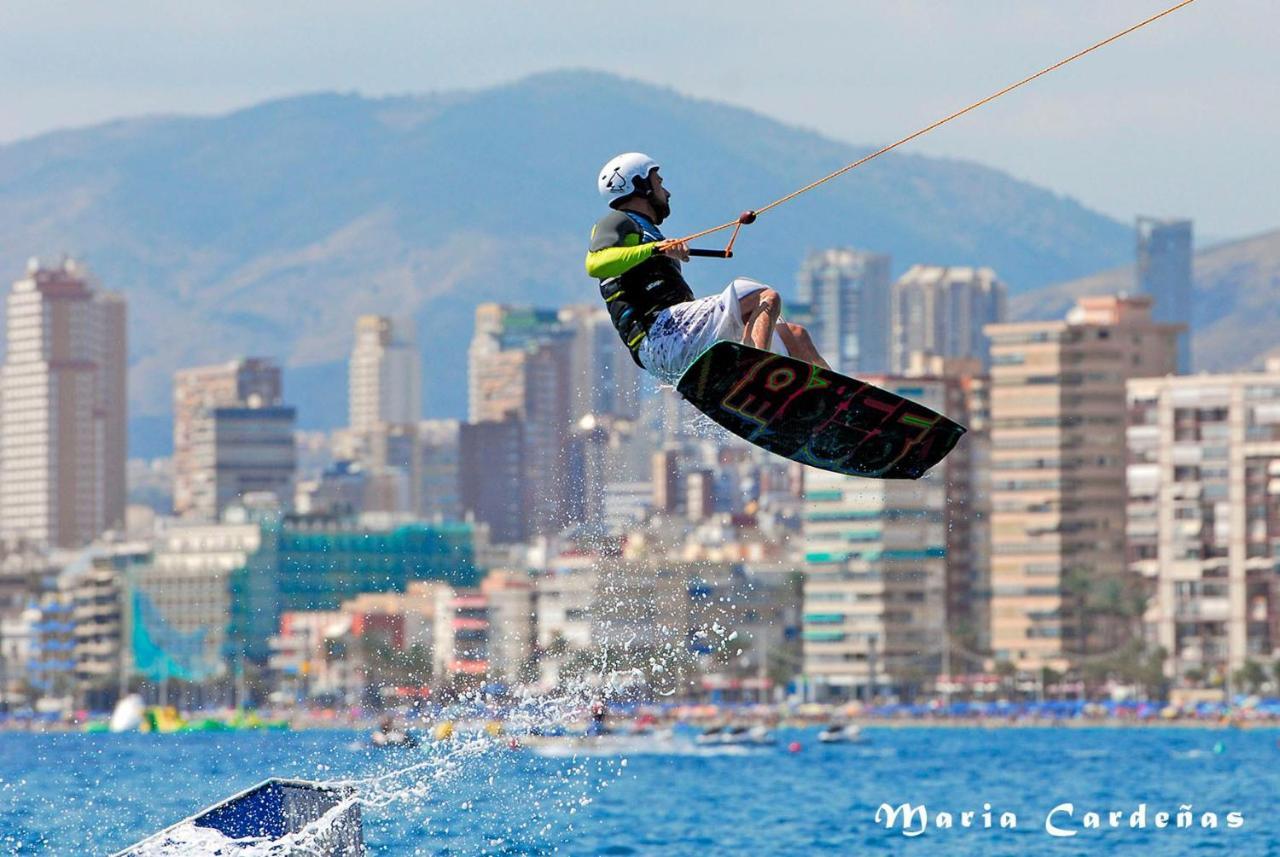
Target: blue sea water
x,y
90,794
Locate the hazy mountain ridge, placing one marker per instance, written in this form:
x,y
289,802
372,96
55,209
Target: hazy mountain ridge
x,y
1236,304
268,229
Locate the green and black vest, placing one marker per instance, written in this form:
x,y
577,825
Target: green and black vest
x,y
636,283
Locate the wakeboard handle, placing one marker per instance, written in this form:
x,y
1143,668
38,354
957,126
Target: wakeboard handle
x,y
744,219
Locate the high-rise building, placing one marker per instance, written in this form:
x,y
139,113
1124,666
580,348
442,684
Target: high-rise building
x,y
231,436
1204,518
847,296
395,457
385,378
1058,473
498,377
491,484
62,409
961,389
700,490
113,407
439,463
241,451
519,363
942,311
1164,272
607,461
666,481
891,566
603,378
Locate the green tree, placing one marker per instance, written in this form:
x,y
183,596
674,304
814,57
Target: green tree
x,y
1007,672
1250,676
387,666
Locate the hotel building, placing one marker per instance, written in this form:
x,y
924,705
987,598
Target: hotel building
x,y
1204,517
62,409
1058,472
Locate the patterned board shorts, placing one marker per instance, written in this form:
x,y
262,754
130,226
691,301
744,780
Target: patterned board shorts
x,y
680,333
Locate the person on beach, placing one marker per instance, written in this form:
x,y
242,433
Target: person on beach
x,y
662,324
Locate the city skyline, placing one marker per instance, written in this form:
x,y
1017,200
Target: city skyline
x,y
975,567
984,563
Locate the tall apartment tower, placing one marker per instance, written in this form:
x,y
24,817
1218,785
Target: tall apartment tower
x,y
894,567
1058,472
62,409
385,377
492,486
438,456
1164,272
874,583
519,365
960,388
231,436
847,295
604,378
942,311
1204,518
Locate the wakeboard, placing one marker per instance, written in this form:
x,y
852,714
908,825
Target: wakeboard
x,y
816,416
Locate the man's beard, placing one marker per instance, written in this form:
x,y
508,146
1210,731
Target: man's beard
x,y
661,210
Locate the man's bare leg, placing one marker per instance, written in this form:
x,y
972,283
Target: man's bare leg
x,y
760,311
799,344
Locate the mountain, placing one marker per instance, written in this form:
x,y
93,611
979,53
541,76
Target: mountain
x,y
1236,313
266,231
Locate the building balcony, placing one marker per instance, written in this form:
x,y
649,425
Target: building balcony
x,y
823,636
1204,609
102,647
90,669
100,628
824,618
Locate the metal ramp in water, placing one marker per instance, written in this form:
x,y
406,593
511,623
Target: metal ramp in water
x,y
268,812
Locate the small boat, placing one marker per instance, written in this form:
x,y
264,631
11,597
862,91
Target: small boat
x,y
736,736
392,738
389,735
846,733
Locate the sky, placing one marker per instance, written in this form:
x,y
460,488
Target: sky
x,y
1178,119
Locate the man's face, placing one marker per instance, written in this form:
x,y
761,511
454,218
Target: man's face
x,y
660,199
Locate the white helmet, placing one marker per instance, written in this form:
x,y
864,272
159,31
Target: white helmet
x,y
617,178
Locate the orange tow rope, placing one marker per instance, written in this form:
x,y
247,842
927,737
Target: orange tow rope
x,y
748,217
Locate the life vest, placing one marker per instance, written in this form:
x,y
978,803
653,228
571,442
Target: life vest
x,y
636,297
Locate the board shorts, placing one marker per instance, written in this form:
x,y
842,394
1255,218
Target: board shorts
x,y
680,333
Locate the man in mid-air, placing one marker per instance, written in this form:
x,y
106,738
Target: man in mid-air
x,y
661,322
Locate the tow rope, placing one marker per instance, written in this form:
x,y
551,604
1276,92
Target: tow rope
x,y
748,217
